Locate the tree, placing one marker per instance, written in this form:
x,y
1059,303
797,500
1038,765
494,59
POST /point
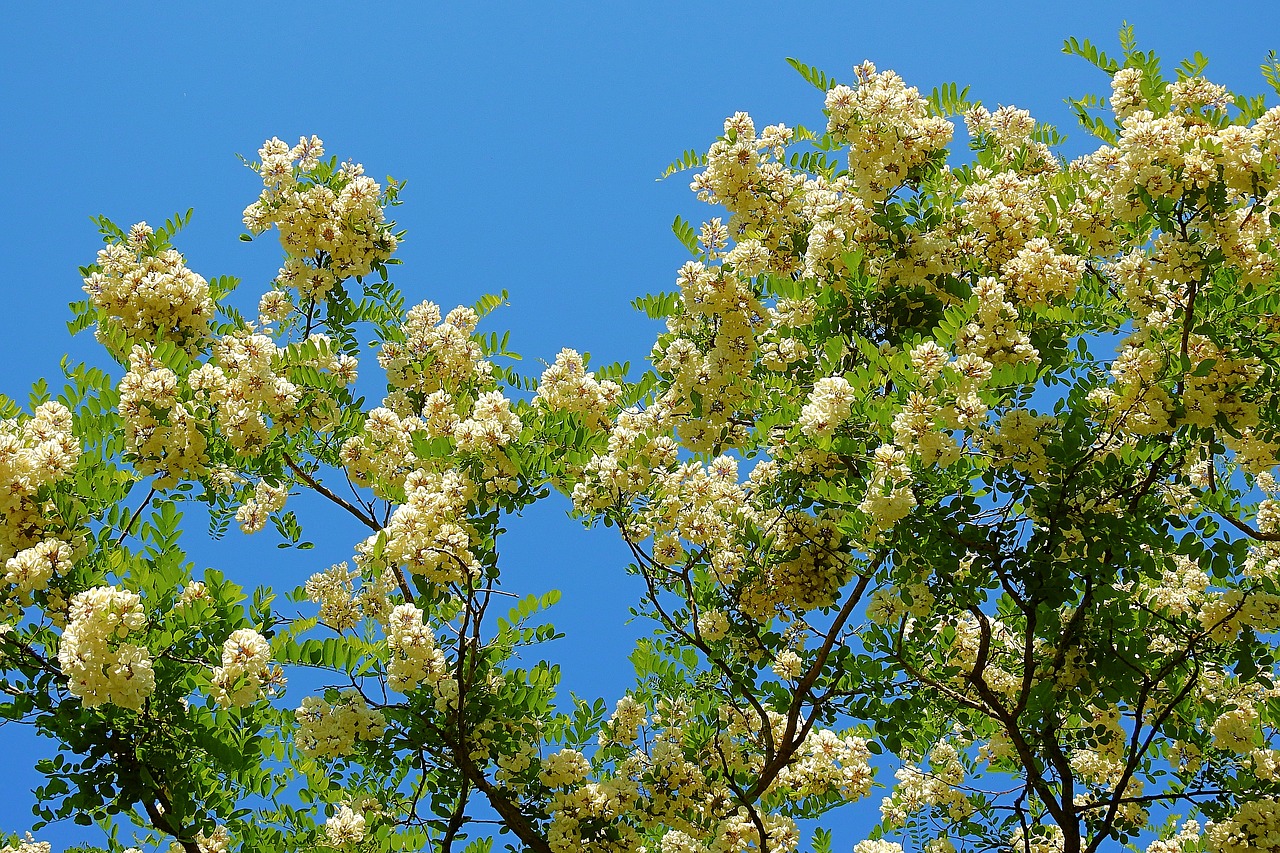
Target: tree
x,y
968,466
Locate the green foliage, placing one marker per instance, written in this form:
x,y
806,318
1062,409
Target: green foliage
x,y
967,470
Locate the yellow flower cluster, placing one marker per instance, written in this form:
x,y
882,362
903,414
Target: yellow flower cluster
x,y
839,221
1039,274
246,670
1236,730
240,393
586,818
665,780
331,730
331,221
99,668
1219,392
151,296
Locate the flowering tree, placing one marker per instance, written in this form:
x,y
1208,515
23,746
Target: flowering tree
x,y
960,471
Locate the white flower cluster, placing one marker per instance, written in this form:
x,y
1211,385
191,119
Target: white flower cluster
x,y
334,591
889,497
150,296
99,668
267,498
564,768
34,452
337,217
492,425
1012,130
331,731
709,353
414,656
1254,828
429,534
382,455
219,842
435,354
747,173
828,407
639,450
1043,838
244,386
164,432
918,790
31,569
1126,92
877,847
28,845
827,763
346,826
1189,834
887,127
624,725
246,669
1039,274
993,334
1236,730
566,386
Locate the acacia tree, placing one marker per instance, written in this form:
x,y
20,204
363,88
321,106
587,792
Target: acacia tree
x,y
969,466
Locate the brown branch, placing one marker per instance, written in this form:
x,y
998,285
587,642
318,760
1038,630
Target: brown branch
x,y
367,520
311,481
1249,531
134,518
1010,723
512,817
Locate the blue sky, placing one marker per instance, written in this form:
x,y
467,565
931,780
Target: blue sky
x,y
530,136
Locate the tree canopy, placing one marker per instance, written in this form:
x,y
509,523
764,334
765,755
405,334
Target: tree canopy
x,y
952,473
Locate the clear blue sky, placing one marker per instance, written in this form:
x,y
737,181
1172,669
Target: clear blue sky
x,y
530,136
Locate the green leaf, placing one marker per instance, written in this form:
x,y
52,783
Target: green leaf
x,y
816,78
685,233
